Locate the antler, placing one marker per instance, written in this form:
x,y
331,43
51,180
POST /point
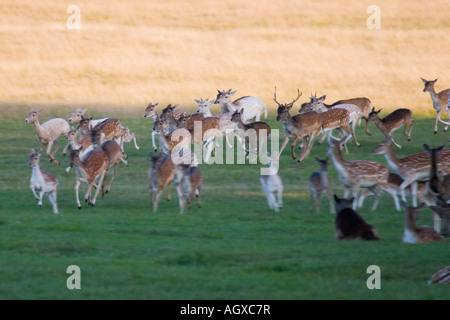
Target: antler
x,y
275,97
299,94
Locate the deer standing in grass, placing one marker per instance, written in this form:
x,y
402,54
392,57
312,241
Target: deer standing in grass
x,y
308,125
272,183
151,112
160,174
412,168
43,182
93,167
189,186
357,174
49,132
253,107
254,132
319,184
441,102
414,234
349,224
393,121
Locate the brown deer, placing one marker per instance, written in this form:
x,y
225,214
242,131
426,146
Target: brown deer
x,y
357,174
349,224
253,131
94,166
43,182
393,121
308,125
441,102
160,174
172,116
414,234
319,184
412,168
189,185
49,132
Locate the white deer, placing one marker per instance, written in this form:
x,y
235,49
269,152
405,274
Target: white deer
x,y
253,107
41,181
272,183
49,132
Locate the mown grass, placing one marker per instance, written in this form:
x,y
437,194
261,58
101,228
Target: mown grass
x,y
234,247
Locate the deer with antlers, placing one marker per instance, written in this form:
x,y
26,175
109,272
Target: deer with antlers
x,y
441,102
308,125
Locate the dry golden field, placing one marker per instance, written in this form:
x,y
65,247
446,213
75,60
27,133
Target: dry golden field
x,y
128,53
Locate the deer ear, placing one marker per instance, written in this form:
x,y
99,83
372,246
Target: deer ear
x,y
39,111
423,80
83,111
32,151
198,101
242,111
377,112
322,98
40,151
435,80
336,198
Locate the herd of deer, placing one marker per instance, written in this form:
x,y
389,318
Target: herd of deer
x,y
100,148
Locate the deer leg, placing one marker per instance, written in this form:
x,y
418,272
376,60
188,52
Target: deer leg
x,y
154,133
349,129
395,143
414,193
66,148
367,127
306,150
168,190
363,196
102,178
52,197
285,141
411,125
330,199
34,192
113,174
54,152
77,186
311,201
280,197
355,195
157,197
199,200
41,196
318,202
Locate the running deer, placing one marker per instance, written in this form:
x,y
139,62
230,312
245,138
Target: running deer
x,y
272,183
357,174
253,132
362,103
349,224
160,174
49,132
43,182
441,102
172,116
412,168
392,122
253,107
319,184
151,112
394,182
84,144
308,125
226,125
414,234
317,104
189,185
78,115
93,167
112,150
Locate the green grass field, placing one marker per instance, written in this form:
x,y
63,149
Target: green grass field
x,y
234,247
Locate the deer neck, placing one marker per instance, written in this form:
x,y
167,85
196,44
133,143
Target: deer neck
x,y
324,178
434,98
339,162
409,222
228,105
207,113
288,124
37,127
172,122
241,125
392,160
379,123
36,172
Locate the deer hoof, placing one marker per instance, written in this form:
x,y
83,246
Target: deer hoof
x,y
435,132
79,207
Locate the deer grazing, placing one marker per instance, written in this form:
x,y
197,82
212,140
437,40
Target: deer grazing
x,y
414,234
319,184
308,125
253,107
254,131
349,224
93,167
43,182
272,183
412,168
189,185
393,121
357,174
441,102
49,132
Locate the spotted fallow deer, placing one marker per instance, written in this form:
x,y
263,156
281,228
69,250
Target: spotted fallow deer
x,y
412,168
43,182
253,107
357,174
393,121
414,234
49,132
189,185
441,102
308,125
